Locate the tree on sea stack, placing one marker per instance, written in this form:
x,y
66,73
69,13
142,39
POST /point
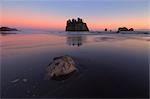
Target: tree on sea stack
x,y
76,25
131,29
105,29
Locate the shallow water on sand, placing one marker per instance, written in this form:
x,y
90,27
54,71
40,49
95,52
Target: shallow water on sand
x,y
110,65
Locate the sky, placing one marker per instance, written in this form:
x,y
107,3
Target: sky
x,y
53,14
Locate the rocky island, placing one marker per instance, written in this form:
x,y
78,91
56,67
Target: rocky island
x,y
76,25
7,29
124,29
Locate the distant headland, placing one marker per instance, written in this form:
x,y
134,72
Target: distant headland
x,y
76,25
7,29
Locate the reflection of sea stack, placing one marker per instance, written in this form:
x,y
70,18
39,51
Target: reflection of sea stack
x,y
76,40
76,25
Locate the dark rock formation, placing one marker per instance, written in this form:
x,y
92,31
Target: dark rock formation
x,y
76,25
7,29
124,29
61,66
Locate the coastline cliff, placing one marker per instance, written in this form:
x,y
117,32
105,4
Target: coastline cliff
x,y
76,25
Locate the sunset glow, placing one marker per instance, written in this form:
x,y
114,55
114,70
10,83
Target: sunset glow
x,y
31,14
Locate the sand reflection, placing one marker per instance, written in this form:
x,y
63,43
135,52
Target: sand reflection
x,y
76,40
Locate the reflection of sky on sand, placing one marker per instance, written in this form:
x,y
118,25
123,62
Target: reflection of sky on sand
x,y
76,40
28,43
108,39
16,43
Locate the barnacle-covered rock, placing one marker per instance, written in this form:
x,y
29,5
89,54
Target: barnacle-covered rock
x,y
61,66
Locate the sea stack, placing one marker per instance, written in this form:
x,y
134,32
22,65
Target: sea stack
x,y
124,29
76,25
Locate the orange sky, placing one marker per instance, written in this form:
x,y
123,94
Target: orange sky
x,y
30,20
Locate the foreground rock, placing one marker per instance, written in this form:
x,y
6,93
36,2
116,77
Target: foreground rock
x,y
7,29
76,25
61,66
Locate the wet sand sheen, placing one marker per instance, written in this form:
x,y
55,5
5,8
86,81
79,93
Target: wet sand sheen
x,y
109,65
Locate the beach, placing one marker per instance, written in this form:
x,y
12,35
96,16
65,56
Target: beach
x,y
109,65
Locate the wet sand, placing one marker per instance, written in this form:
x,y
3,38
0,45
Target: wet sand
x,y
109,66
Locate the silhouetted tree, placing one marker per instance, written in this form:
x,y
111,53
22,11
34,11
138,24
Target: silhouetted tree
x,y
73,20
80,20
69,21
105,29
131,29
